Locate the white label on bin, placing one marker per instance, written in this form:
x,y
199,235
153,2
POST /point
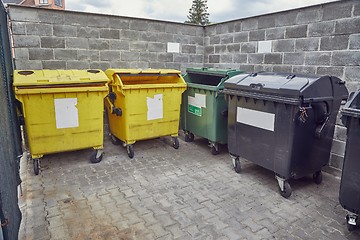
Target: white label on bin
x,y
155,107
255,118
199,100
66,113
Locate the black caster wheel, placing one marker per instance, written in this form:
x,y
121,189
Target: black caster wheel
x,y
189,137
317,177
287,190
214,150
175,143
36,164
237,165
351,226
95,157
115,140
130,150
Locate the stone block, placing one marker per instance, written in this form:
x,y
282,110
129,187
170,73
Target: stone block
x,y
346,58
130,56
181,39
210,30
91,55
273,58
138,46
255,58
110,33
157,47
99,44
250,24
157,65
309,15
65,31
304,69
26,41
188,49
240,58
154,37
331,43
165,57
294,58
77,43
97,20
197,58
209,49
330,71
338,147
258,35
224,28
214,40
52,42
139,25
148,56
249,47
262,67
119,22
77,65
181,58
88,32
130,34
233,48
119,44
54,64
356,11
173,28
197,40
285,45
321,29
100,65
340,133
109,55
65,54
296,31
267,21
23,15
18,28
336,161
307,44
38,29
318,58
354,42
220,49
73,18
214,58
26,64
52,17
286,19
241,37
282,68
40,54
347,26
337,11
247,68
237,26
352,73
21,53
156,27
226,58
275,33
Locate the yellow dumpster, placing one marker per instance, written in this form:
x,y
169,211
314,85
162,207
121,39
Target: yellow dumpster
x,y
144,104
63,110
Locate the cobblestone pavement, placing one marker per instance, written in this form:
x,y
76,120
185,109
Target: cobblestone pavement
x,y
165,193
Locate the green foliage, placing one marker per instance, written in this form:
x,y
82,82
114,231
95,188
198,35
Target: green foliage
x,y
198,13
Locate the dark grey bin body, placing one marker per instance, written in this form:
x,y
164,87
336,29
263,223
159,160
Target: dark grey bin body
x,y
284,123
350,180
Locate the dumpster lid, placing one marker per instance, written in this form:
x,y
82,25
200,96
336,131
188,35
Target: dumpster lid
x,y
212,71
112,71
58,77
352,106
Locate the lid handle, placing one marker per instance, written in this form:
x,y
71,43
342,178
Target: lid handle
x,y
257,86
291,76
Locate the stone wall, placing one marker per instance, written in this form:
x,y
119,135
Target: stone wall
x,y
322,39
49,39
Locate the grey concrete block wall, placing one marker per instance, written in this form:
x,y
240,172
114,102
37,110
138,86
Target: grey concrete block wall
x,y
50,39
322,39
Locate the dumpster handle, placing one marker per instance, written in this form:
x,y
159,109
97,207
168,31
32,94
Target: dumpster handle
x,y
114,110
320,129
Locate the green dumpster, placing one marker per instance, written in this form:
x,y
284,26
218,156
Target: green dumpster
x,y
204,109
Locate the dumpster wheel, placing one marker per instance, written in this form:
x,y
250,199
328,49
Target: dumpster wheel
x,y
351,222
115,140
130,150
236,164
96,156
214,148
317,177
286,193
189,136
175,143
36,164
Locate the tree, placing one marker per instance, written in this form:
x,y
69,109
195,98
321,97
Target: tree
x,y
198,13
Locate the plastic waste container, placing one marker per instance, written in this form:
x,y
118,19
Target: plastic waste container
x,y
62,109
144,104
283,122
204,109
350,181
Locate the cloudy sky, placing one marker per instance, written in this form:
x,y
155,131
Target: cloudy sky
x,y
177,10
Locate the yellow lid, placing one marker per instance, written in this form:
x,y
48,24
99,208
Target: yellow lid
x,y
56,77
110,72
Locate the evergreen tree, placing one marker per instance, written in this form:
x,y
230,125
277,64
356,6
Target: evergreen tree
x,y
198,13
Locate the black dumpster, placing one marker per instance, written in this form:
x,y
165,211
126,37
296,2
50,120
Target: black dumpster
x,y
283,122
350,180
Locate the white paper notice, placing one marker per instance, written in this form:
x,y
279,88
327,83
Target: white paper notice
x,y
155,107
201,100
255,118
66,113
